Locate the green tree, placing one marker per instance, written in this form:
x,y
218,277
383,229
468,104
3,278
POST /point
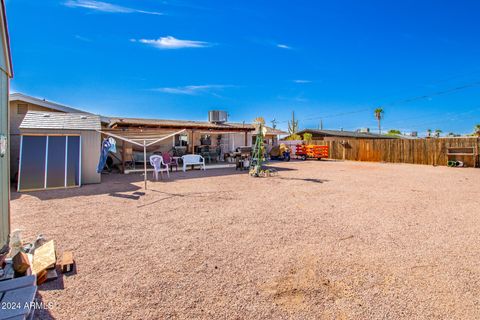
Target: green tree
x,y
379,113
437,133
294,137
429,133
394,132
293,125
477,130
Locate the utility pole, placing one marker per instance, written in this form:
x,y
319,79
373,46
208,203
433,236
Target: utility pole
x,y
274,123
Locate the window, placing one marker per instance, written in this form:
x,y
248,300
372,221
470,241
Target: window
x,y
22,108
181,140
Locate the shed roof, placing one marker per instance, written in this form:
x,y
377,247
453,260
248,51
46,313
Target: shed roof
x,y
62,121
346,134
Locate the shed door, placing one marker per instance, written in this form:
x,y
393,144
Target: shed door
x,y
32,162
49,162
73,161
57,147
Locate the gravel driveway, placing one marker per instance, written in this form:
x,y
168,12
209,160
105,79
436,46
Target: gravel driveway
x,y
323,239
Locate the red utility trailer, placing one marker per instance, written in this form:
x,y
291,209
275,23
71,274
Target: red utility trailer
x,y
310,151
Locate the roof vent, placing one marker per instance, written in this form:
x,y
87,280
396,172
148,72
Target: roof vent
x,y
216,116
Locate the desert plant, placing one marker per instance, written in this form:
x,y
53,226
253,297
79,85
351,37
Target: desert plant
x,y
307,137
379,112
293,124
294,137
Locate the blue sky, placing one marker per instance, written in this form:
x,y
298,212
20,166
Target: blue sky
x,y
330,60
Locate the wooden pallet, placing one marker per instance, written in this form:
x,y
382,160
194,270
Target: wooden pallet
x,y
460,153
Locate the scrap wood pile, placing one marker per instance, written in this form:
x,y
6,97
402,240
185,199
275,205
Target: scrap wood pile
x,y
304,152
37,258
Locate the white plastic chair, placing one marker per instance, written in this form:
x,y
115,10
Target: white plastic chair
x,y
159,166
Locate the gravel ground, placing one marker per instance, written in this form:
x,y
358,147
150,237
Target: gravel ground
x,y
326,240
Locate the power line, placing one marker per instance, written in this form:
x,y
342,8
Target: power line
x,y
438,93
407,100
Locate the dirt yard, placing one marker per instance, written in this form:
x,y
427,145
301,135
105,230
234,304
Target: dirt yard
x,y
326,240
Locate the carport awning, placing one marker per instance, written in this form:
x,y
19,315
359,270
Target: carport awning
x,y
141,139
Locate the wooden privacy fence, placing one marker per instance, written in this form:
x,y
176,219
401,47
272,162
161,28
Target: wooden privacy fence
x,y
419,151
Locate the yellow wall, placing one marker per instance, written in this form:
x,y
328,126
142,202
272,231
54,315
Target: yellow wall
x,y
15,121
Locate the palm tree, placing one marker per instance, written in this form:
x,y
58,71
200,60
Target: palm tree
x,y
429,133
379,116
437,133
477,130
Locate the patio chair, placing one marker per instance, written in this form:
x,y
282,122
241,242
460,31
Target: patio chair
x,y
171,162
193,159
158,166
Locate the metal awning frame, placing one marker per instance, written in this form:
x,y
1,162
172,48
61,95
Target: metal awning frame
x,y
138,142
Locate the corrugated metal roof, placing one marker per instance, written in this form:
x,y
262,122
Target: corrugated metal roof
x,y
346,134
17,96
178,123
57,120
187,124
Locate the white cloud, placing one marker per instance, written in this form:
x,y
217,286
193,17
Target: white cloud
x,y
193,90
283,46
105,7
82,38
170,42
302,81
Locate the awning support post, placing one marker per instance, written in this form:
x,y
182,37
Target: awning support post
x,y
145,162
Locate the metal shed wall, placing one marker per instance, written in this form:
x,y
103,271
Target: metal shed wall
x,y
4,163
91,143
